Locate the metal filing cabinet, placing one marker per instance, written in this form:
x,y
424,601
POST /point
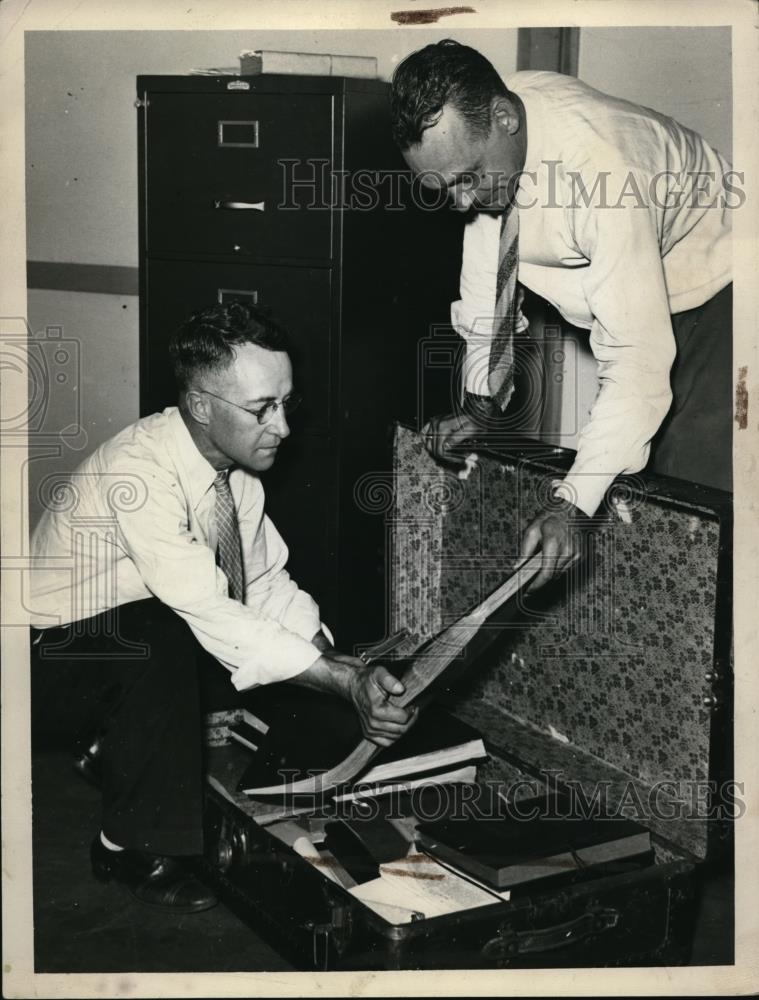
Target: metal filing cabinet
x,y
288,191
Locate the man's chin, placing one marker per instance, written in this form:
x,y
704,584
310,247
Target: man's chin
x,y
474,210
263,459
489,209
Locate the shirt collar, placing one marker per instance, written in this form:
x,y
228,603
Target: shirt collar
x,y
198,470
534,116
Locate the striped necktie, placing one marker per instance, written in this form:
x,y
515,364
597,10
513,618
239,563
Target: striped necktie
x,y
501,364
229,548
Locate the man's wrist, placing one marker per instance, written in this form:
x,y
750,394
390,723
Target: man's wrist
x,y
482,409
569,512
327,674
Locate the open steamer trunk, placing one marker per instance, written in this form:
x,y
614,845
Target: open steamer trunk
x,y
614,681
618,672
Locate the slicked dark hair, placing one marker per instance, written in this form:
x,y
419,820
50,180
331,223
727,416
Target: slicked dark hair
x,y
445,72
206,341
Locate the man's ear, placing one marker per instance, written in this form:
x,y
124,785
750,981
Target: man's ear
x,y
504,114
198,405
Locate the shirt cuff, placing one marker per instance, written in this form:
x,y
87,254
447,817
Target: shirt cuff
x,y
475,367
290,655
585,491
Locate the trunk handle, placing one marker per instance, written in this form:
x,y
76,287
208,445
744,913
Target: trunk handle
x,y
509,943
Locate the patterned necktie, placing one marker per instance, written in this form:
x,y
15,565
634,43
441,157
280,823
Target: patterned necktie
x,y
229,549
501,364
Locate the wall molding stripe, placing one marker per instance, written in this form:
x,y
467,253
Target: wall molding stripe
x,y
101,279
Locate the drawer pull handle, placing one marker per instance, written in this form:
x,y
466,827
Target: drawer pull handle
x,y
240,206
237,134
226,295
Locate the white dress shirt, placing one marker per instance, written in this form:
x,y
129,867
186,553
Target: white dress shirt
x,y
136,520
654,245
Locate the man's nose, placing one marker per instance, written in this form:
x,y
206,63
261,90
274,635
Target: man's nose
x,y
279,424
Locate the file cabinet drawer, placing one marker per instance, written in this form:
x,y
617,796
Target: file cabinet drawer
x,y
299,298
219,180
299,490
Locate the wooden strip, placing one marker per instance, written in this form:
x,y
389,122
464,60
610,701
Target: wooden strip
x,y
430,664
425,669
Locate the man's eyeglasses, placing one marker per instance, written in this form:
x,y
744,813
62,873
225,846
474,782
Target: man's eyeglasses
x,y
267,411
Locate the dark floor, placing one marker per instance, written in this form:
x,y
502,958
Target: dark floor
x,y
83,926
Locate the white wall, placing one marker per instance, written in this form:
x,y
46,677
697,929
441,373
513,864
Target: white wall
x,y
683,72
82,124
92,379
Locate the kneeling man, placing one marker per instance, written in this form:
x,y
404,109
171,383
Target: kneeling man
x,y
164,554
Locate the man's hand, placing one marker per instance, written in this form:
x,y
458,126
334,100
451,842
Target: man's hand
x,y
368,688
559,533
381,722
443,434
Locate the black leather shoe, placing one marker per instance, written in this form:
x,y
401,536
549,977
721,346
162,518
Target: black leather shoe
x,y
88,758
153,879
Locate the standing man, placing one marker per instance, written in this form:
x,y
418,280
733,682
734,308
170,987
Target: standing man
x,y
619,217
159,552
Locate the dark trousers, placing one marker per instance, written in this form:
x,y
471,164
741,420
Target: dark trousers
x,y
695,439
152,743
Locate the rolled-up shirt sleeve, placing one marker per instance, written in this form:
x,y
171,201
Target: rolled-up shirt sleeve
x,y
632,340
261,641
